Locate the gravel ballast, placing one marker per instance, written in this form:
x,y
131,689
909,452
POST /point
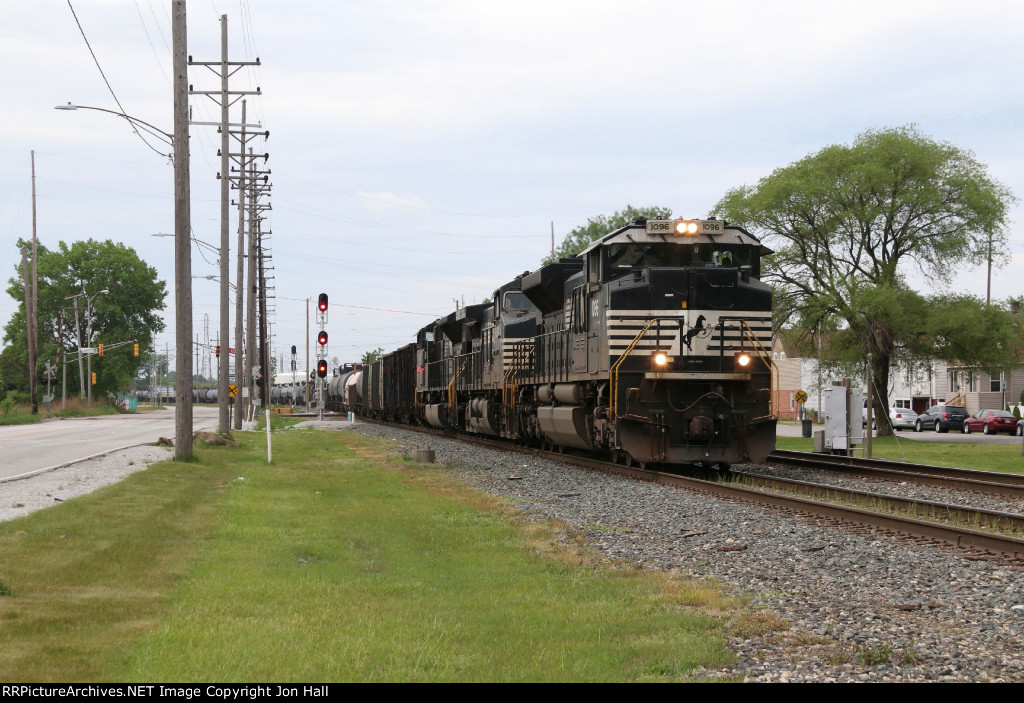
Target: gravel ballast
x,y
859,608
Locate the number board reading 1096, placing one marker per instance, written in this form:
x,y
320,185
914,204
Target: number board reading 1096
x,y
685,227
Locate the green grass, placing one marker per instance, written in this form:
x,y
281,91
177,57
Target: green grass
x,y
980,456
336,563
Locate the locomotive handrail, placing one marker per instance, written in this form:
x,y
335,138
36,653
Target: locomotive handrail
x,y
520,352
452,396
613,373
773,369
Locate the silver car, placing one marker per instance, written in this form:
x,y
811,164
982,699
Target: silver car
x,y
902,418
899,418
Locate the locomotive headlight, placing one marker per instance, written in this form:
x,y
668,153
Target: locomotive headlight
x,y
685,227
743,360
661,358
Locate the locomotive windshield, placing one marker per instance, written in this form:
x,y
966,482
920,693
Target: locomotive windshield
x,y
621,258
515,301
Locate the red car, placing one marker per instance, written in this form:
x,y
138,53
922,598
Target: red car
x,y
990,422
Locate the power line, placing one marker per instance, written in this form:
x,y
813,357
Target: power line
x,y
124,113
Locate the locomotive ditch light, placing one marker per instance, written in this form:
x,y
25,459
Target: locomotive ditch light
x,y
660,359
743,360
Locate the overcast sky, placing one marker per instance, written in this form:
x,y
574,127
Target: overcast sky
x,y
420,151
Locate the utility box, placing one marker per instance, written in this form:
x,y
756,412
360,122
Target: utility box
x,y
819,441
844,415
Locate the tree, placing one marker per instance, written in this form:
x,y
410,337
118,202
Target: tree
x,y
849,222
371,356
126,314
580,237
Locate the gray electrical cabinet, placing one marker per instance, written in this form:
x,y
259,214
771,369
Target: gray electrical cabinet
x,y
844,420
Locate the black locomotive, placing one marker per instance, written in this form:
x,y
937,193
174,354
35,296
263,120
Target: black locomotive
x,y
653,346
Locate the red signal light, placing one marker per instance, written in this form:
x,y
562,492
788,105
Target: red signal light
x,y
322,303
321,338
321,368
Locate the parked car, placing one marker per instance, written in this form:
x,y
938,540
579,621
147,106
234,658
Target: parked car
x,y
902,418
990,422
941,418
899,418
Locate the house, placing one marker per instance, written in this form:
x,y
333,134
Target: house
x,y
916,385
977,389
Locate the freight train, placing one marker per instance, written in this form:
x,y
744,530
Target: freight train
x,y
651,347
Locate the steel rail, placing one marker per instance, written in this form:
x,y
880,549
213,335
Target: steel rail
x,y
927,509
943,476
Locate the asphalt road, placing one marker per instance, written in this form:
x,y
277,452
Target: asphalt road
x,y
27,449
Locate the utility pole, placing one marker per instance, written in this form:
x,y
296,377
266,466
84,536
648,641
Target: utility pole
x,y
246,182
33,314
182,238
27,282
224,98
78,338
239,285
250,293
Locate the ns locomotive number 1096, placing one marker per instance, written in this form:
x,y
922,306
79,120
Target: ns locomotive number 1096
x,y
652,346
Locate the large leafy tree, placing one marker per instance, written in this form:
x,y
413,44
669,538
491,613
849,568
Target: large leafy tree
x,y
127,311
848,224
580,237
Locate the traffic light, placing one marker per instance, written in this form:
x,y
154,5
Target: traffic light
x,y
321,368
135,350
322,304
217,351
321,338
94,378
101,352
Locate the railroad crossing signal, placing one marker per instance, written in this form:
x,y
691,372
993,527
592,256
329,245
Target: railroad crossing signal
x,y
51,370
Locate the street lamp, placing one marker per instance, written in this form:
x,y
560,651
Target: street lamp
x,y
211,277
88,335
135,122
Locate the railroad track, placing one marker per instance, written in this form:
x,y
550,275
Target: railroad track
x,y
984,534
1011,485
